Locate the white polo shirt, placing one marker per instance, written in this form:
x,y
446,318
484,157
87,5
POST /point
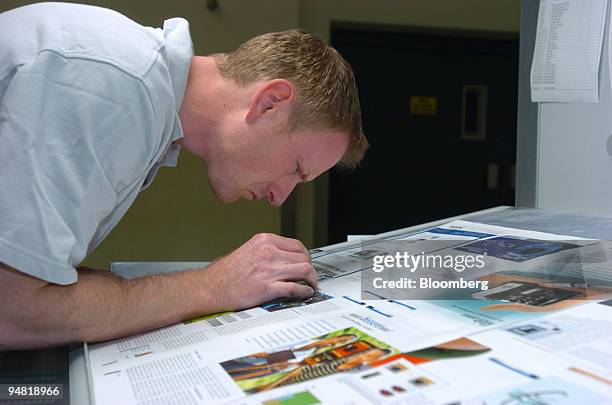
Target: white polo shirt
x,y
89,105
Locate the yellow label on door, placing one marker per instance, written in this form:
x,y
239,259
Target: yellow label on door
x,y
423,105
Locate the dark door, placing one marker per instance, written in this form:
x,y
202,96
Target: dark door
x,y
440,112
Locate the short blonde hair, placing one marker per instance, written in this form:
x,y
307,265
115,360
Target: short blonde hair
x,y
326,94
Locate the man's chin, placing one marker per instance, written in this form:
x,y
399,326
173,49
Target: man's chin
x,y
242,195
227,198
224,196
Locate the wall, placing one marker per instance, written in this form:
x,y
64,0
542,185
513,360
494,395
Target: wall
x,y
574,149
498,15
564,149
316,15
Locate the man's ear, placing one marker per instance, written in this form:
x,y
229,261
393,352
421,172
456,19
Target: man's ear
x,y
272,96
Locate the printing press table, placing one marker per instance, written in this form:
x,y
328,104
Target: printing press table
x,y
528,219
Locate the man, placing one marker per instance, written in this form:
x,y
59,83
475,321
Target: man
x,y
92,104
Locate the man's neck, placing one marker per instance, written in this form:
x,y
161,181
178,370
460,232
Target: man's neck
x,y
202,108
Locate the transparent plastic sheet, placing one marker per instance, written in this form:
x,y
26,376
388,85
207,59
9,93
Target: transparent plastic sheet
x,y
534,219
535,254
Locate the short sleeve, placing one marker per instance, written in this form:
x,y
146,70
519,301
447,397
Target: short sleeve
x,y
62,122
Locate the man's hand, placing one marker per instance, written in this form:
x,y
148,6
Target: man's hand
x,y
263,269
102,306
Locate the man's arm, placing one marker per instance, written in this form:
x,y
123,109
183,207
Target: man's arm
x,y
102,306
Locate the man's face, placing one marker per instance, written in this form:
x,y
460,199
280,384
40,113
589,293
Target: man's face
x,y
271,165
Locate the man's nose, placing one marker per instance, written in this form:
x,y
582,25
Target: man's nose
x,y
280,191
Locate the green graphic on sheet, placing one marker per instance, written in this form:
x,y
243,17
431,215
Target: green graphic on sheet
x,y
299,398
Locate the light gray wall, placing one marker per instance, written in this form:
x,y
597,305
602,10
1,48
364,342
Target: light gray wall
x,y
574,165
564,156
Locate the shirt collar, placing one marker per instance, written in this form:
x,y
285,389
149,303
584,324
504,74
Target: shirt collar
x,y
179,50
